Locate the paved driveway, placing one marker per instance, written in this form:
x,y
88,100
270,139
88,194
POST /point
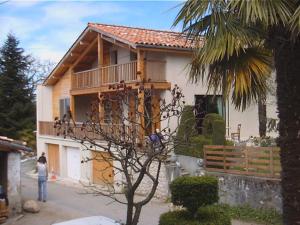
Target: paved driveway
x,y
67,202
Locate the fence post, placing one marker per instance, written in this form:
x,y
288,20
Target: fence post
x,y
224,158
204,156
271,162
247,160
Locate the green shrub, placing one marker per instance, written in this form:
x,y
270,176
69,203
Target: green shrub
x,y
193,147
219,132
207,215
229,143
257,215
177,218
208,123
213,215
193,192
187,123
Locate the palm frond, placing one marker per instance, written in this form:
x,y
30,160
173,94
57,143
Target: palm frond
x,y
269,12
295,22
242,75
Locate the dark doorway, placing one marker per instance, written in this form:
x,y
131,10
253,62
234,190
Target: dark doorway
x,y
205,104
3,170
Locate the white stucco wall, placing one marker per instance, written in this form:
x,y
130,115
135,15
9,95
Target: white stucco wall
x,y
177,70
44,103
14,182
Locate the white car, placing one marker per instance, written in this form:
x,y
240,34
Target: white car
x,y
92,220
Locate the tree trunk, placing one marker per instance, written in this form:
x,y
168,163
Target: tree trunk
x,y
129,208
262,116
287,63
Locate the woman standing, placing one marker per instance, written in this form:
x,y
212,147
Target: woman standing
x,y
42,179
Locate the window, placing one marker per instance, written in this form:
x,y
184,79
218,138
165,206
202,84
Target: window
x,y
205,104
64,107
133,56
114,57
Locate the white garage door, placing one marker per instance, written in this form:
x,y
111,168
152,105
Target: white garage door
x,y
73,162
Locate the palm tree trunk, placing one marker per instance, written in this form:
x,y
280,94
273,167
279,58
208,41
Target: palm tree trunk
x,y
262,116
287,63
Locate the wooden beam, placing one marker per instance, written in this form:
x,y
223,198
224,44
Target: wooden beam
x,y
141,114
83,43
72,106
74,54
155,108
101,108
85,52
100,50
141,65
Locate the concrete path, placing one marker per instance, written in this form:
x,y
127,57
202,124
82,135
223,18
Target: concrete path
x,y
67,202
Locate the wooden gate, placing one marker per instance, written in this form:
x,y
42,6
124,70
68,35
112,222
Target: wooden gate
x,y
102,168
53,159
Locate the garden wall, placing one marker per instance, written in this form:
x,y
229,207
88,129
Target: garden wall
x,y
257,192
189,163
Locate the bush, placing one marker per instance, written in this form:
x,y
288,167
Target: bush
x,y
194,147
187,123
257,215
219,132
193,192
208,123
177,218
213,215
207,215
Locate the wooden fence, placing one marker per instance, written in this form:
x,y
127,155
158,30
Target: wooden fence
x,y
254,161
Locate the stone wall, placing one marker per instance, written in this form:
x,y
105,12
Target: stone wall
x,y
255,191
14,182
162,190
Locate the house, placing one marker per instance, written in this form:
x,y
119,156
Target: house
x,y
106,54
10,172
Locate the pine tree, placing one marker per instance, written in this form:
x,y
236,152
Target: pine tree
x,y
17,106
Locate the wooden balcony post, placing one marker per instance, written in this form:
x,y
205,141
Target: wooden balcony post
x,y
141,111
141,65
155,108
72,106
100,51
101,108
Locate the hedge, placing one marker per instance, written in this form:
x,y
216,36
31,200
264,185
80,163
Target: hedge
x,y
194,147
193,192
213,215
181,217
219,132
208,123
207,215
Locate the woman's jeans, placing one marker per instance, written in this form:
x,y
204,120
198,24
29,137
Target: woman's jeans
x,y
42,181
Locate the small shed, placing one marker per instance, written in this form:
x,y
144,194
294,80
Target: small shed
x,y
10,172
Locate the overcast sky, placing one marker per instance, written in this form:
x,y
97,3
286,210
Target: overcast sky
x,y
47,29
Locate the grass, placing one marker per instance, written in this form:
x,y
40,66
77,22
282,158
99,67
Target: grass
x,y
249,214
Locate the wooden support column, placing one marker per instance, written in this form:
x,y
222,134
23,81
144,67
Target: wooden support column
x,y
141,110
155,107
101,108
141,65
141,94
100,51
72,106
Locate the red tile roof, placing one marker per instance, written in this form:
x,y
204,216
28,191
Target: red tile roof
x,y
141,36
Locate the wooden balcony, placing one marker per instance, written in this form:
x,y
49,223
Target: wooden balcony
x,y
46,128
127,72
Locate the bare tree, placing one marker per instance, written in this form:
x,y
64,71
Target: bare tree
x,y
137,136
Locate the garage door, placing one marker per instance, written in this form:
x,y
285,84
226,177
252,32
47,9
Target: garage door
x,y
102,168
53,158
73,163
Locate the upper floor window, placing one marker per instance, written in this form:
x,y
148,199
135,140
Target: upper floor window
x,y
64,107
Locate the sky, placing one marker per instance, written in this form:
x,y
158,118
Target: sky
x,y
47,29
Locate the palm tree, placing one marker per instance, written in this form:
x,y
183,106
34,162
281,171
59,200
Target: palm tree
x,y
244,41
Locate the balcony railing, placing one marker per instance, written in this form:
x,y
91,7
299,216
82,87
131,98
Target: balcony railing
x,y
46,128
105,75
127,72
